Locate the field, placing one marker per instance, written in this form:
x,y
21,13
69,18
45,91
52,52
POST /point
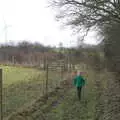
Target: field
x,y
22,86
27,87
63,104
13,75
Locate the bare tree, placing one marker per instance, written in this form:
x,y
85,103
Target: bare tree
x,y
84,14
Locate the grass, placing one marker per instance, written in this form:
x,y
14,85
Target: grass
x,y
21,86
13,75
70,108
73,109
67,107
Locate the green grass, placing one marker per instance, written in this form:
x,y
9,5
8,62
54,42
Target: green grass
x,y
23,85
70,108
20,86
24,90
13,75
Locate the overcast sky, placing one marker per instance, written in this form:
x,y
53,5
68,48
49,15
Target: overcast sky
x,y
31,20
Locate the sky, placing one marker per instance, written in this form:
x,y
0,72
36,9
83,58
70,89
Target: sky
x,y
33,21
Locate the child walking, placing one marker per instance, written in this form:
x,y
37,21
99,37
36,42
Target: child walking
x,y
79,82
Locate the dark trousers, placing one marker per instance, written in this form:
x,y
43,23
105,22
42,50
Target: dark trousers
x,y
79,89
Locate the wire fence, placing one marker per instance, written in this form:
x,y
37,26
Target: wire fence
x,y
15,96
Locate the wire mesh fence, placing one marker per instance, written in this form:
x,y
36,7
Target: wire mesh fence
x,y
20,94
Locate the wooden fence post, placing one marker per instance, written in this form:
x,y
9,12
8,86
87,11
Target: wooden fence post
x,y
61,72
47,80
1,100
43,89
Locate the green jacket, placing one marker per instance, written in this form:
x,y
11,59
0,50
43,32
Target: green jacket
x,y
79,81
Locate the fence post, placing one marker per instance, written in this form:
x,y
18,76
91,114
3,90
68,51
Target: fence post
x,y
61,72
1,106
47,80
43,88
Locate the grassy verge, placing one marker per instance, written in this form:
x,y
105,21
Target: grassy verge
x,y
70,108
21,86
63,105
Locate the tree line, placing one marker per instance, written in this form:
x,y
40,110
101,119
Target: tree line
x,y
26,53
